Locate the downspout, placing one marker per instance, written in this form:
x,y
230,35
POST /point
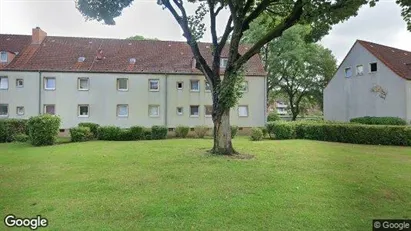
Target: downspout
x,y
265,99
39,92
166,101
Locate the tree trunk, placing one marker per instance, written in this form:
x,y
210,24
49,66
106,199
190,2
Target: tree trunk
x,y
222,134
294,116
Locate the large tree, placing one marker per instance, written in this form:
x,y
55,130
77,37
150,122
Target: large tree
x,y
140,37
321,14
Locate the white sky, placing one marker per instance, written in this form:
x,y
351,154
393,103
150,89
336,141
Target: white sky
x,y
381,24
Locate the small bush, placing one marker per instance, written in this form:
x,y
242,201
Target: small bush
x,y
147,134
234,130
264,130
80,134
43,129
379,120
21,138
158,132
201,131
182,131
93,128
281,130
125,135
108,133
11,127
256,134
137,132
273,116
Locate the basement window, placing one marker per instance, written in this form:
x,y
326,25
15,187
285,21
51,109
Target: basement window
x,y
373,67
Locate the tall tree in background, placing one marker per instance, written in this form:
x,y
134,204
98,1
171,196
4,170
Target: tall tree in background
x,y
321,14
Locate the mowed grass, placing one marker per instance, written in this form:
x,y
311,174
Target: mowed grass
x,y
174,184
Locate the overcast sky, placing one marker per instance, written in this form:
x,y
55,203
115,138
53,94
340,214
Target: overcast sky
x,y
381,24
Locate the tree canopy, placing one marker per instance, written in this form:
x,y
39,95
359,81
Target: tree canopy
x,y
140,37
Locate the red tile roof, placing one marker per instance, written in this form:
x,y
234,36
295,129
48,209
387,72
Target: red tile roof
x,y
399,61
14,43
62,53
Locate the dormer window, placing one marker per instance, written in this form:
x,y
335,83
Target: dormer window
x,y
81,59
132,60
223,62
3,57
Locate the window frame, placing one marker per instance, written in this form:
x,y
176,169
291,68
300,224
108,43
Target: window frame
x,y
225,61
79,111
205,111
4,77
345,72
118,84
182,85
17,81
356,69
3,60
17,110
45,108
45,83
8,113
158,110
198,111
154,80
191,85
118,110
238,111
376,66
79,83
182,111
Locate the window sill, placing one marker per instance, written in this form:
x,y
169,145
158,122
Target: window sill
x,y
243,116
83,89
83,116
122,90
179,114
180,89
154,90
208,116
194,116
49,89
154,116
122,116
195,91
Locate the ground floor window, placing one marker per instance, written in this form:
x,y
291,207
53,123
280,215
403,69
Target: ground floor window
x,y
50,109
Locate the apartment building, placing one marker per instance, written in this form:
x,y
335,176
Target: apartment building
x,y
116,82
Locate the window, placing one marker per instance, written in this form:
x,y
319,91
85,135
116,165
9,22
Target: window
x,y
83,110
244,86
243,111
50,109
154,110
20,110
373,67
3,57
360,69
194,111
348,72
122,110
179,110
208,110
19,82
4,82
4,109
207,86
154,84
223,62
194,85
83,84
50,83
122,84
180,85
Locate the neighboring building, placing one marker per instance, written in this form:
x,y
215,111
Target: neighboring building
x,y
372,80
280,107
117,82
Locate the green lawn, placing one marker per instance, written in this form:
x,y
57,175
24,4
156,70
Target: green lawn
x,y
175,184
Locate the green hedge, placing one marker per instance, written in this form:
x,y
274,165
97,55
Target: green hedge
x,y
11,127
379,120
234,130
343,132
256,134
182,131
108,133
114,133
159,132
43,129
21,138
137,132
81,134
93,128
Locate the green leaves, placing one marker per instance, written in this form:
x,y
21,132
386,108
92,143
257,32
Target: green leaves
x,y
102,10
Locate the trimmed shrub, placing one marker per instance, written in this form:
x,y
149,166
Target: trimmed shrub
x,y
147,134
281,130
21,138
256,134
273,116
43,129
234,130
379,120
201,131
93,127
108,133
182,131
137,132
125,135
80,134
158,132
11,127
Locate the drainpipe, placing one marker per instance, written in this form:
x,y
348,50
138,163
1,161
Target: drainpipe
x,y
39,92
265,99
166,99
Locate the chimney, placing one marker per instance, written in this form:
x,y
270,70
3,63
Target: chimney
x,y
37,36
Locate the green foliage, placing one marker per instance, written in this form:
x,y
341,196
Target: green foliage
x,y
281,130
234,130
158,132
21,138
147,134
11,127
140,37
201,131
273,116
93,128
137,132
265,131
43,129
125,135
81,134
108,133
182,131
379,120
256,134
